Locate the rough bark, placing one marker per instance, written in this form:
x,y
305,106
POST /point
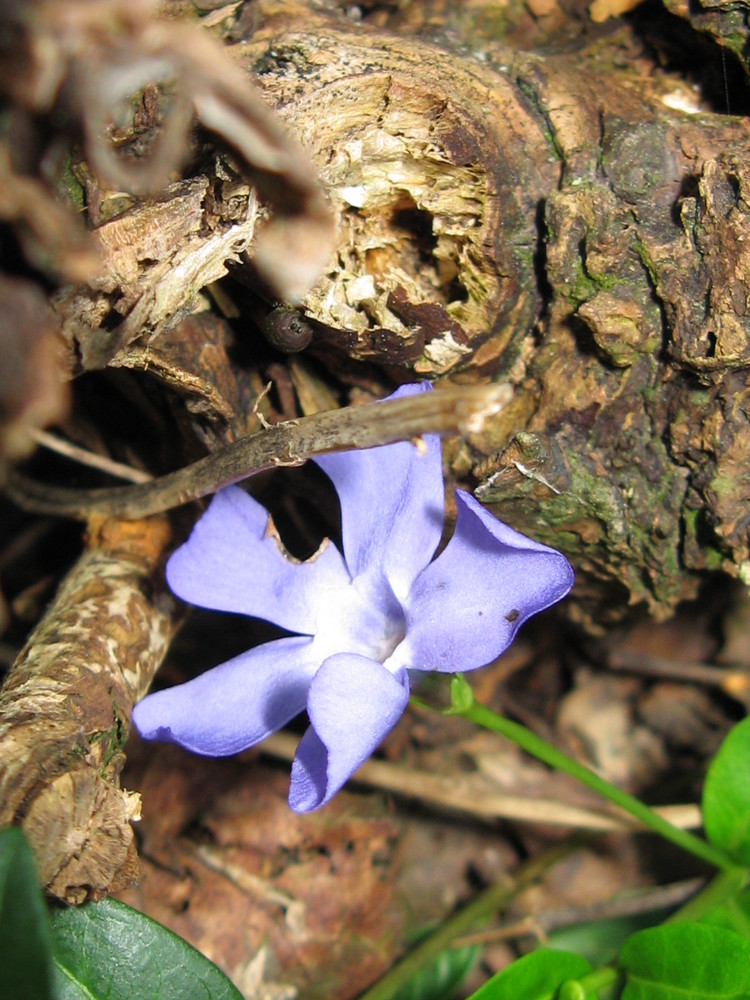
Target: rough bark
x,y
726,23
563,224
65,711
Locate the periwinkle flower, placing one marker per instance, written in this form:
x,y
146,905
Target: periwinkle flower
x,y
363,618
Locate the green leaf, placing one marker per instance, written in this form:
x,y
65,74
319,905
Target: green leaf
x,y
25,945
109,951
733,913
439,980
534,977
571,989
726,795
679,961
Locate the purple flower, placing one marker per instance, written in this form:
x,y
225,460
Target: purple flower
x,y
362,619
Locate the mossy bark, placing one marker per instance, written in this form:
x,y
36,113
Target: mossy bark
x,y
568,226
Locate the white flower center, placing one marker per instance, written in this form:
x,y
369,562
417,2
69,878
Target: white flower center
x,y
360,619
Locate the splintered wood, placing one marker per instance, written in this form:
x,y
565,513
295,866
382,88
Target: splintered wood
x,y
154,261
65,711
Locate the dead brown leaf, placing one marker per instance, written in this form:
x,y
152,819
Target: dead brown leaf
x,y
32,394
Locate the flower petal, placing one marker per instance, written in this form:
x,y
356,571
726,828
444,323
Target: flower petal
x,y
229,563
353,704
466,607
391,505
235,705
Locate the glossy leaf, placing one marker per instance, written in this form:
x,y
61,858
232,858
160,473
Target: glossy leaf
x,y
109,951
571,989
25,944
726,795
537,976
679,961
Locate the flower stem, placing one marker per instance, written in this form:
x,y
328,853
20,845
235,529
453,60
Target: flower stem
x,y
462,703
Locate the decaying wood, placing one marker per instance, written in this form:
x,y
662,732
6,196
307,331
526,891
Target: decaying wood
x,y
79,63
65,711
154,261
577,229
435,167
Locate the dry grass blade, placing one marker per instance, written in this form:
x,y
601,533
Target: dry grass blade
x,y
443,792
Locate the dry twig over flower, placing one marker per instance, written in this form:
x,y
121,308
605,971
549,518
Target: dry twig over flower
x,y
362,617
455,408
65,707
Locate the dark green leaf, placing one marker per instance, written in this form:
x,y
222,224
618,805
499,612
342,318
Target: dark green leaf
x,y
679,961
109,951
726,795
439,980
25,946
534,977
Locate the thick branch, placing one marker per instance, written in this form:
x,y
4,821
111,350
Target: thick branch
x,y
65,711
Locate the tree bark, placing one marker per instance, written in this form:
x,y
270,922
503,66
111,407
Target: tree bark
x,y
65,711
563,224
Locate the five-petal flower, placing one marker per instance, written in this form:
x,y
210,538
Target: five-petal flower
x,y
362,619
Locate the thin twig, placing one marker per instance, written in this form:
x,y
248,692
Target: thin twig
x,y
450,410
89,458
733,679
439,791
